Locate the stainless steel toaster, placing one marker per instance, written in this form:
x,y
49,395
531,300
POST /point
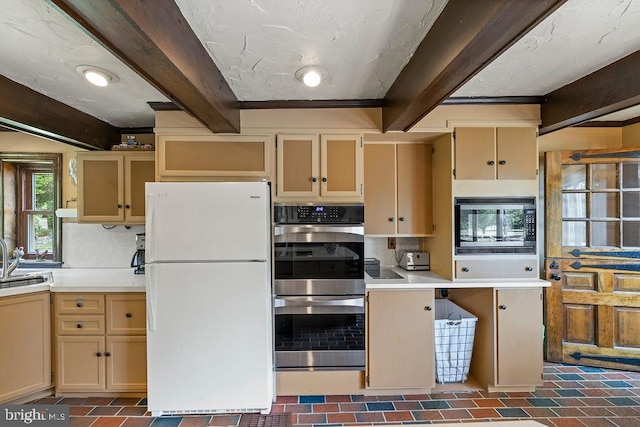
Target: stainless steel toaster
x,y
414,261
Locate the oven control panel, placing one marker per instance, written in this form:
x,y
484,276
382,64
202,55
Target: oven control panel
x,y
319,213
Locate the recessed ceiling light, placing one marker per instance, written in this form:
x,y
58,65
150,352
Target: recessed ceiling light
x,y
310,75
97,76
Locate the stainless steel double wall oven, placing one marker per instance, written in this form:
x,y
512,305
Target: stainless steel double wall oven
x,y
319,286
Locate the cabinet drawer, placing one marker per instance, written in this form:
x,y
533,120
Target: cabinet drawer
x,y
126,314
90,324
497,269
79,303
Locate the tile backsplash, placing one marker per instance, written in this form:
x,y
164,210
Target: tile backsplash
x,y
376,247
94,246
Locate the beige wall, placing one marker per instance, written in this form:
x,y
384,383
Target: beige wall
x,y
586,138
18,142
631,136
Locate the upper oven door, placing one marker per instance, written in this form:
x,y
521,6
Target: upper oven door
x,y
304,252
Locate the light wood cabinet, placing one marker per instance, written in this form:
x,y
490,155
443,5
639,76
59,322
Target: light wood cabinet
x,y
213,157
398,189
313,167
508,336
25,339
487,153
100,342
111,186
400,339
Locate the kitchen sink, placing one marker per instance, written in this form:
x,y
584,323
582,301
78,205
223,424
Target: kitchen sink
x,y
26,279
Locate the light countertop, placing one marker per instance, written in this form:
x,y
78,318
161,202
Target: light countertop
x,y
429,280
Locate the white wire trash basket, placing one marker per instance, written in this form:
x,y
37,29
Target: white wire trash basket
x,y
455,330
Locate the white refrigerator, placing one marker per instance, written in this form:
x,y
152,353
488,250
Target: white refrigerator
x,y
209,310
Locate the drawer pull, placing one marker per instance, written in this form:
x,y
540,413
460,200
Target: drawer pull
x,y
502,307
79,326
79,304
528,268
428,308
128,314
465,269
99,354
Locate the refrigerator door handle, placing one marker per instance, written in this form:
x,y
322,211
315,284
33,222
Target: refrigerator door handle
x,y
150,232
151,315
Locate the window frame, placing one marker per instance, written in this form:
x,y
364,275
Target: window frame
x,y
26,172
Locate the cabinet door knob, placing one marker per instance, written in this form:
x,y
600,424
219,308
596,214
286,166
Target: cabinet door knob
x,y
314,179
79,326
99,354
401,218
528,268
107,354
428,308
128,314
119,206
502,162
491,163
127,206
465,269
79,304
324,179
391,219
502,307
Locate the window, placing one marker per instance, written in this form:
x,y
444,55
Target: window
x,y
31,193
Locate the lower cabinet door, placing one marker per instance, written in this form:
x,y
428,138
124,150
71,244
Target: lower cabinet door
x,y
400,339
80,363
126,363
519,327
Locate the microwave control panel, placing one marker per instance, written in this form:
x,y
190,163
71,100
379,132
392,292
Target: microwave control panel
x,y
530,225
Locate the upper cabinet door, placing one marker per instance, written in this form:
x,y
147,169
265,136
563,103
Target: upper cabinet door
x,y
380,189
517,153
100,188
415,189
298,163
341,169
475,153
138,170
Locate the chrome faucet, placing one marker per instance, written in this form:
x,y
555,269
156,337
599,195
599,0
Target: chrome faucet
x,y
7,268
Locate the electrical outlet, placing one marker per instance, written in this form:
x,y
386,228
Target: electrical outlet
x,y
391,242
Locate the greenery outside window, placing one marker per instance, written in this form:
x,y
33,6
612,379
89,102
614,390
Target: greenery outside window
x,y
31,193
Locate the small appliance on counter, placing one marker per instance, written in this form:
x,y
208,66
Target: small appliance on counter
x,y
138,258
414,261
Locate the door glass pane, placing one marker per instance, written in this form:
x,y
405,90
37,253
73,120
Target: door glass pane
x,y
574,205
630,175
574,177
604,233
574,233
631,204
604,205
42,191
603,176
631,233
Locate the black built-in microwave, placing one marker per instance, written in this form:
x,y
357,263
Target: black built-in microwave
x,y
495,225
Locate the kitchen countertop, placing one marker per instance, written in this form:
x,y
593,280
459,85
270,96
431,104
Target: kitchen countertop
x,y
82,280
429,280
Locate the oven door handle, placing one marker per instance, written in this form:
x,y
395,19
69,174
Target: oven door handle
x,y
297,229
319,305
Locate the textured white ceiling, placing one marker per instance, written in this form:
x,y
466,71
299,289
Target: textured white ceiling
x,y
259,44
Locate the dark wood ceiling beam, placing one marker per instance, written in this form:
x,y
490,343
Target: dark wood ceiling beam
x,y
610,89
154,39
465,38
26,110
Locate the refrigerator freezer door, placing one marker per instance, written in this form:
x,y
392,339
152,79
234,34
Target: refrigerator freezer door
x,y
207,221
209,345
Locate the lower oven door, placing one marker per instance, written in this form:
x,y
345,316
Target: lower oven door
x,y
319,332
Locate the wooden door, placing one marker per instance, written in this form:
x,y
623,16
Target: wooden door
x,y
400,339
517,153
138,170
100,188
380,189
519,331
297,158
341,165
592,249
415,189
475,153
